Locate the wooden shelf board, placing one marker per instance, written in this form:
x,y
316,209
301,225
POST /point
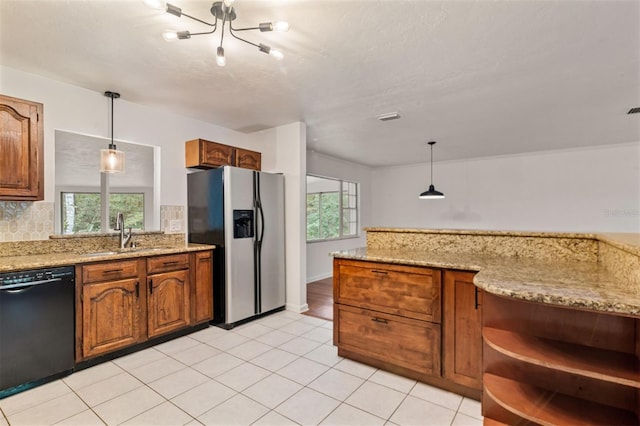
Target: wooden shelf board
x,y
550,408
600,364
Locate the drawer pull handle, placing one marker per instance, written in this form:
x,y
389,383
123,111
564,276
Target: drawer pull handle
x,y
112,271
375,271
175,262
150,286
137,290
380,320
476,301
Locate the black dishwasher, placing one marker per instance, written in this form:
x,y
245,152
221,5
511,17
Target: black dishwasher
x,y
36,327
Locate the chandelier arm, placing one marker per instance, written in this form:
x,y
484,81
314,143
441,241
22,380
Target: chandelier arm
x,y
202,33
215,23
241,39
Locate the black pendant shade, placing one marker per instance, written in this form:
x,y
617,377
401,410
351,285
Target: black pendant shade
x,y
431,193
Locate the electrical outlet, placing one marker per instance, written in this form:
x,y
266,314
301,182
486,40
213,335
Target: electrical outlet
x,y
175,225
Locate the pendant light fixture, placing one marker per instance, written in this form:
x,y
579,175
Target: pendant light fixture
x,y
225,13
111,160
431,193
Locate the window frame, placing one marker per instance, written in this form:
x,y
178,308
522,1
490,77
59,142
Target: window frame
x,y
341,208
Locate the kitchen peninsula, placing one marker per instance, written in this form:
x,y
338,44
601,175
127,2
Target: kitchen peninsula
x,y
535,324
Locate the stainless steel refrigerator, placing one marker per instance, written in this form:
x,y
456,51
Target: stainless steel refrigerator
x,y
241,211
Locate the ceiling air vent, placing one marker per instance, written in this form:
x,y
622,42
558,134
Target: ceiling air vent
x,y
388,116
634,110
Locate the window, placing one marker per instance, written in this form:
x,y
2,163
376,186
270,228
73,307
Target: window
x,y
88,201
81,211
332,208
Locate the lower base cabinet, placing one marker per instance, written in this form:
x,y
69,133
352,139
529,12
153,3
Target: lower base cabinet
x,y
585,372
111,316
404,320
123,303
462,329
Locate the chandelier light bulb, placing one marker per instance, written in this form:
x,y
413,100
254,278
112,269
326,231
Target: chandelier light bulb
x,y
282,26
276,54
156,4
169,35
220,59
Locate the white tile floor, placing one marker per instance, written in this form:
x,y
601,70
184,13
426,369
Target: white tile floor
x,y
279,370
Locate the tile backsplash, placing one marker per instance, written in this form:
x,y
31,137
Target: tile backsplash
x,y
25,220
29,221
173,219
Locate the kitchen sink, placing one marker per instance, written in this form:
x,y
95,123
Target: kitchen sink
x,y
123,251
99,253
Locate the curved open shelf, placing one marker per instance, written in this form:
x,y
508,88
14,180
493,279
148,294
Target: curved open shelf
x,y
601,364
550,408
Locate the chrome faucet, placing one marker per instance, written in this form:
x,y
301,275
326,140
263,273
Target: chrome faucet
x,y
124,239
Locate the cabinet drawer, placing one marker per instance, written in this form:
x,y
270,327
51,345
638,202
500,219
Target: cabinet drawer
x,y
395,289
404,342
109,271
171,262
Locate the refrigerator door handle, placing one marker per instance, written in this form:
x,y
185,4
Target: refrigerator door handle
x,y
261,224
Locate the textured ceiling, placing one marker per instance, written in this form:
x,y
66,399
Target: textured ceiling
x,y
482,78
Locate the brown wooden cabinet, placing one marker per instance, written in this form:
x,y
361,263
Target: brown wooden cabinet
x,y
21,150
586,371
462,329
388,316
121,303
248,159
169,294
401,318
202,283
204,154
169,298
113,307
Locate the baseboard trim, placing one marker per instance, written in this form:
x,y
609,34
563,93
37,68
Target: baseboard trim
x,y
319,277
297,308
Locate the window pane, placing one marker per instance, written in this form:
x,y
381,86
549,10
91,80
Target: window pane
x,y
329,215
80,212
131,206
332,208
313,217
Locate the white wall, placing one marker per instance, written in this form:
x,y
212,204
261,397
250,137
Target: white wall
x,y
578,190
75,109
319,263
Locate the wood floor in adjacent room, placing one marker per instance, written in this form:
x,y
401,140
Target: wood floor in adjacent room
x,y
320,299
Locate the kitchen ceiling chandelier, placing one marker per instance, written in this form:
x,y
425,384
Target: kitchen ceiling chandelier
x,y
111,160
431,193
224,11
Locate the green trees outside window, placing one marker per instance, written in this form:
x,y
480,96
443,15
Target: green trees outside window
x,y
332,208
81,211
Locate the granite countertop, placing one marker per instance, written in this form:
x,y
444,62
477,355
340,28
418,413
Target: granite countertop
x,y
33,261
583,285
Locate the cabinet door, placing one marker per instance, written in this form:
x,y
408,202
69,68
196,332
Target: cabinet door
x,y
202,306
168,302
462,329
248,159
204,154
21,150
111,316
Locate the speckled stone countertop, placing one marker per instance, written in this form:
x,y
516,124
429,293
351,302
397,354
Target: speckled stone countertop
x,y
584,285
33,261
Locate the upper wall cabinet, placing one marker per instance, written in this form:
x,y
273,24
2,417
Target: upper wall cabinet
x,y
204,154
21,150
